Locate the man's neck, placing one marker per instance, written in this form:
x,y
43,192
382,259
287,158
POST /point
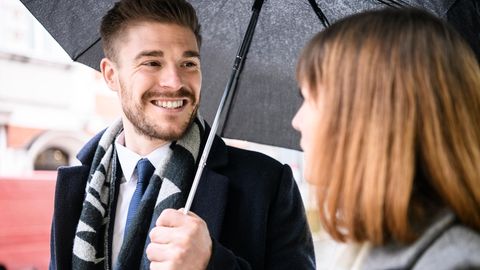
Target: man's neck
x,y
141,144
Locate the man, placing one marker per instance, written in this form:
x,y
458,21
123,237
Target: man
x,y
119,209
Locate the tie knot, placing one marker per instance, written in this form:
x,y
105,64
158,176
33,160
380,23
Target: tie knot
x,y
145,170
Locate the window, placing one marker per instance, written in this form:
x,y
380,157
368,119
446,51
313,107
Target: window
x,y
50,159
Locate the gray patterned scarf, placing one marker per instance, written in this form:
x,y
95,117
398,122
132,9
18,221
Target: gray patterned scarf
x,y
168,188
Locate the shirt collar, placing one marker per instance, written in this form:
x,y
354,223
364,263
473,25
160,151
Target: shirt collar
x,y
128,159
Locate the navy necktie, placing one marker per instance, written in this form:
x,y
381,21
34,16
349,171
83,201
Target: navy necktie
x,y
145,170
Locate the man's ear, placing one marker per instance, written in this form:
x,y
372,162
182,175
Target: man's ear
x,y
110,73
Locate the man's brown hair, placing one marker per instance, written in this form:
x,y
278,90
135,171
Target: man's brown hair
x,y
126,12
398,136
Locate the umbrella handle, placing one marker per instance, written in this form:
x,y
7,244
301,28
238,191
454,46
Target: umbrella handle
x,y
229,90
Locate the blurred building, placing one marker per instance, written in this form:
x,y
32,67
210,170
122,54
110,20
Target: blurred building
x,y
49,105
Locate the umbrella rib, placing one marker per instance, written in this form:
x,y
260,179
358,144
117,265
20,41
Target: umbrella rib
x,y
86,49
403,3
394,4
319,13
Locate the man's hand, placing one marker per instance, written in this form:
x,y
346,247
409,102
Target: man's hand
x,y
179,241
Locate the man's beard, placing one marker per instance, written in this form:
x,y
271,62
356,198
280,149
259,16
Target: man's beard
x,y
136,114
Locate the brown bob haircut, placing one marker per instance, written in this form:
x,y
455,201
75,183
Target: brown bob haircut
x,y
398,136
127,12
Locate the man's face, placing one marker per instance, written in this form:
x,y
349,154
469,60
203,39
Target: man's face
x,y
159,79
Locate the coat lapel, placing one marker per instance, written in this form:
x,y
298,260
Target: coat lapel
x,y
69,194
212,192
210,200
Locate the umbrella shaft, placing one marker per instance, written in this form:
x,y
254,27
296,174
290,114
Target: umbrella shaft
x,y
229,90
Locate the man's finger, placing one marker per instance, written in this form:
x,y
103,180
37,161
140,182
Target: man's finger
x,y
189,213
170,218
167,265
160,252
162,234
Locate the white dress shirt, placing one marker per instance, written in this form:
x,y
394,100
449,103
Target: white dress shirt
x,y
128,161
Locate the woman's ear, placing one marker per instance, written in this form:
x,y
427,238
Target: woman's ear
x,y
110,73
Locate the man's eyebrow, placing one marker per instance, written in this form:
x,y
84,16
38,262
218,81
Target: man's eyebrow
x,y
191,54
156,53
149,53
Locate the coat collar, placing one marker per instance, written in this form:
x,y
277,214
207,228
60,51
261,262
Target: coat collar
x,y
86,154
398,256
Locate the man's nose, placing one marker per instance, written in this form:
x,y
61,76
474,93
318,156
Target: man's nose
x,y
170,77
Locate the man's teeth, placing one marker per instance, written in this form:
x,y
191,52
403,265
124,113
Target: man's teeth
x,y
169,104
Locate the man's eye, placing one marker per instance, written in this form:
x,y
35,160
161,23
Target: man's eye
x,y
190,64
152,64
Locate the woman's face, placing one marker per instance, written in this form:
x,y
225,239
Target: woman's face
x,y
306,121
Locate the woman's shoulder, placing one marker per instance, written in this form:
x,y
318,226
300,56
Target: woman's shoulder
x,y
445,244
458,247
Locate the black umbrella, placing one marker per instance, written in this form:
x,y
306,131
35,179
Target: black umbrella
x,y
265,100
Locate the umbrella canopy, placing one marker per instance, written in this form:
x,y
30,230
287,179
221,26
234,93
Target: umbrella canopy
x,y
265,99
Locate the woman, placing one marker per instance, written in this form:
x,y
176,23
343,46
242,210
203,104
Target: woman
x,y
390,128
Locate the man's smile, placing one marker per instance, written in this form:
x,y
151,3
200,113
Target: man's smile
x,y
169,104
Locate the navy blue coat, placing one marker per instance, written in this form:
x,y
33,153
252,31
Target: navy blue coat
x,y
250,202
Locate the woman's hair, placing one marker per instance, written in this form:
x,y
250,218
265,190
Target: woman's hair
x,y
399,128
